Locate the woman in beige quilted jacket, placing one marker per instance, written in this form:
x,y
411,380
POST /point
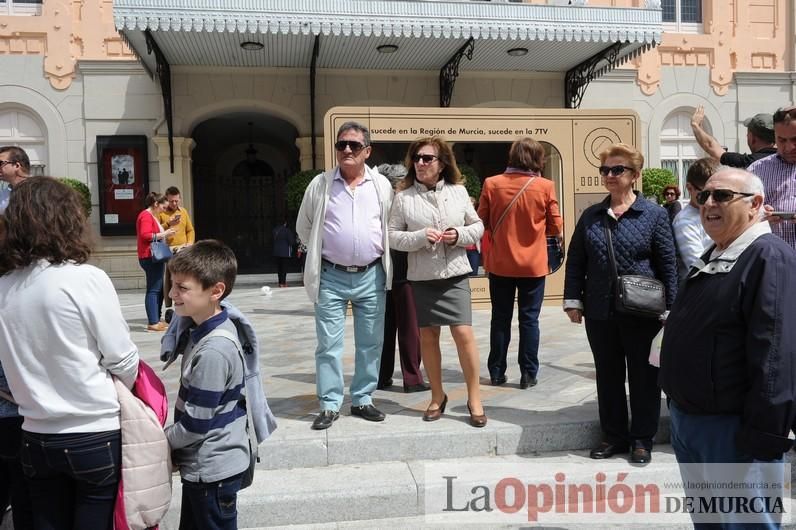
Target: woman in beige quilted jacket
x,y
433,220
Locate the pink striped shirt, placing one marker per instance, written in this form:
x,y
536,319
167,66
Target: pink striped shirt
x,y
779,181
352,233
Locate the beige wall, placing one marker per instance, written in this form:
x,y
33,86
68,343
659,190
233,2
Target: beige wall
x,y
65,32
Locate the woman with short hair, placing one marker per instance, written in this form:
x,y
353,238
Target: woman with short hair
x,y
62,341
520,208
671,198
643,245
433,220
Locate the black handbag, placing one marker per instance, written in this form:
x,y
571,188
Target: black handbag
x,y
638,296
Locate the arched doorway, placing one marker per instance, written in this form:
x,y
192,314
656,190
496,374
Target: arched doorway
x,y
240,165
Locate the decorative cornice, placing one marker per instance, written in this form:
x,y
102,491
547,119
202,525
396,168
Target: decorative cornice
x,y
116,67
389,18
764,78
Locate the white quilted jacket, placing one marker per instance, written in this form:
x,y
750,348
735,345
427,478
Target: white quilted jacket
x,y
146,462
447,206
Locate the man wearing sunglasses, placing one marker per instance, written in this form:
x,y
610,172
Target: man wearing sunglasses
x,y
728,361
759,138
778,173
14,168
343,221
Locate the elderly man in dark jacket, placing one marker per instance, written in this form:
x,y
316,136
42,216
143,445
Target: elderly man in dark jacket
x,y
728,360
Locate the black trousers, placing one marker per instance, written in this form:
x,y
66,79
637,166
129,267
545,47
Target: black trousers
x,y
621,348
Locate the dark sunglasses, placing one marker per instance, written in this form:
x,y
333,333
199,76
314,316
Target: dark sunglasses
x,y
427,159
615,171
355,147
719,195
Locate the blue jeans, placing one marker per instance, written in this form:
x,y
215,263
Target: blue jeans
x,y
153,299
365,291
710,439
72,478
210,505
530,293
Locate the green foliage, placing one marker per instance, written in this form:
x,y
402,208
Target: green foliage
x,y
471,181
82,190
294,189
654,179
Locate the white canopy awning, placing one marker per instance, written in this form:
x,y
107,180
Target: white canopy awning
x,y
427,33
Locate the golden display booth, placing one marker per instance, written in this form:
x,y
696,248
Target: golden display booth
x,y
573,140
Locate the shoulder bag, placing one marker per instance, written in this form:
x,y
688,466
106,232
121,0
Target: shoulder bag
x,y
160,251
486,241
638,296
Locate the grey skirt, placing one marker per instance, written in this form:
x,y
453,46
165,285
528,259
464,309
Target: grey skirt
x,y
443,302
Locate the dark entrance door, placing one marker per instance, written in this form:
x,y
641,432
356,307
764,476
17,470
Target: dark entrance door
x,y
241,163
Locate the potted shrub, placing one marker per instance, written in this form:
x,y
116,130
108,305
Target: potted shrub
x,y
654,179
82,190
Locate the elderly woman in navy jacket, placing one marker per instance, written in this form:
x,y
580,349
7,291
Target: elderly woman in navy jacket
x,y
643,245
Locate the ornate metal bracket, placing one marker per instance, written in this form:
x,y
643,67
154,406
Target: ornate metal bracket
x,y
579,77
449,72
316,48
164,77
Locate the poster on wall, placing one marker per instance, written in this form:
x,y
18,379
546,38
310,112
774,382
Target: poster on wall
x,y
122,168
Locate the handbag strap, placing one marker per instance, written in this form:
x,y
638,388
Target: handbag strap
x,y
610,242
513,200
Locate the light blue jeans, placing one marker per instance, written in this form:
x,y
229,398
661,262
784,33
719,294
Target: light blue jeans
x,y
365,291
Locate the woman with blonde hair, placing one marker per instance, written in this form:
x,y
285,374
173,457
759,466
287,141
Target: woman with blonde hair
x,y
642,242
433,220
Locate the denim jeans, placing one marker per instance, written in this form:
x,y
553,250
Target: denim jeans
x,y
11,473
210,505
365,291
530,293
154,288
72,478
710,439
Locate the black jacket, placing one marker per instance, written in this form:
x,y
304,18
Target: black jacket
x,y
643,245
729,346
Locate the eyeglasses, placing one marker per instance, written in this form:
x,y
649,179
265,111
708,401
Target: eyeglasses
x,y
670,193
355,146
4,162
719,195
615,171
427,159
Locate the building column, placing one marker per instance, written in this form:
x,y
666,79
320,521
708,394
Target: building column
x,y
181,178
304,144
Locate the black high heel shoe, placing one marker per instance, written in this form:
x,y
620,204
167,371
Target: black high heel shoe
x,y
476,420
435,414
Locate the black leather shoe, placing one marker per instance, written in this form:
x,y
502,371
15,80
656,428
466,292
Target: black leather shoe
x,y
420,387
497,380
368,412
641,456
383,385
607,450
325,419
527,380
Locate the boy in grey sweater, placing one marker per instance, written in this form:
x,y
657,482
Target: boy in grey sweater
x,y
209,440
